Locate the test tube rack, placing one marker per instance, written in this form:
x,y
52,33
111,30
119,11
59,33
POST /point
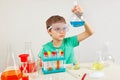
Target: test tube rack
x,y
53,62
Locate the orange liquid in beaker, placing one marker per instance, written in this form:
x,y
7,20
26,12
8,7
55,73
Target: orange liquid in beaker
x,y
11,75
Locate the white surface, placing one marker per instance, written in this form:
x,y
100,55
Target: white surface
x,y
110,73
24,20
97,75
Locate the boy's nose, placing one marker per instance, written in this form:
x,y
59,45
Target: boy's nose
x,y
62,31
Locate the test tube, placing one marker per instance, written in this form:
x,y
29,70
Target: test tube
x,y
58,64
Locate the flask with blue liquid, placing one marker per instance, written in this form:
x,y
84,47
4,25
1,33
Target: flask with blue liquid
x,y
76,21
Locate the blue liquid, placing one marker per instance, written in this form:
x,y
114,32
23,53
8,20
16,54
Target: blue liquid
x,y
77,23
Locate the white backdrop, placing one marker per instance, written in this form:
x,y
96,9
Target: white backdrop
x,y
24,20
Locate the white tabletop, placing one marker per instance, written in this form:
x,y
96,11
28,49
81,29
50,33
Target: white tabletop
x,y
111,72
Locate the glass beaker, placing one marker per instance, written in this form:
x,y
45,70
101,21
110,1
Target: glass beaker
x,y
98,64
12,71
77,21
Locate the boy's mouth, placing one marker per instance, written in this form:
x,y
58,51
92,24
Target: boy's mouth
x,y
62,36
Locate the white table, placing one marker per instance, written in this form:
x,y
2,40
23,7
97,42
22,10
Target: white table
x,y
111,72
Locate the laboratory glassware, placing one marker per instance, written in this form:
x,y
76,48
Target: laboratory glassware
x,y
12,71
31,65
23,66
77,21
98,63
107,57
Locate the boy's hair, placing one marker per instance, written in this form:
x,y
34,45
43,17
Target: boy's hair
x,y
54,19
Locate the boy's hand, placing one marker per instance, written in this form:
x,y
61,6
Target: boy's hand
x,y
77,10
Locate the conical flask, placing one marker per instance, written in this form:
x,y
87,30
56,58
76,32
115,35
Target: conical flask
x,y
76,21
31,65
12,71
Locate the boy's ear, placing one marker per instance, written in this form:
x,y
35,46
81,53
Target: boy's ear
x,y
49,32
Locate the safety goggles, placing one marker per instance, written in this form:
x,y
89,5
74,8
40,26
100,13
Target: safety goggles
x,y
58,27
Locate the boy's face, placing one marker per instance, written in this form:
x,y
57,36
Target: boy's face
x,y
58,31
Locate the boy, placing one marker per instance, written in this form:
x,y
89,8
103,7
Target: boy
x,y
57,28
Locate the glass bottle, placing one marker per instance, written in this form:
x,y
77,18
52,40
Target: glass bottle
x,y
12,71
76,21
